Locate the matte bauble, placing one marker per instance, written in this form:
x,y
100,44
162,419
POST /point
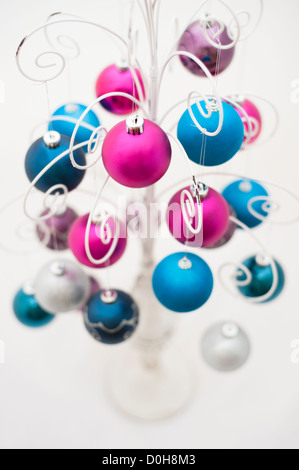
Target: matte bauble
x,y
62,286
183,283
53,232
194,41
254,117
111,317
225,347
215,219
262,278
119,79
27,309
218,149
74,111
137,161
231,230
98,249
42,154
240,195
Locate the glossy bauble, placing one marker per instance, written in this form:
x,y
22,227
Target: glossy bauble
x,y
241,196
254,116
98,247
218,149
137,161
183,283
119,79
27,310
215,219
42,153
262,278
74,111
225,347
62,286
54,232
194,41
111,317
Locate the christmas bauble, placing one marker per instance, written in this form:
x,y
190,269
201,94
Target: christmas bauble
x,y
254,116
215,218
215,150
53,232
262,278
136,153
241,196
27,309
119,79
183,283
61,286
65,127
225,347
111,317
232,227
43,152
194,41
98,242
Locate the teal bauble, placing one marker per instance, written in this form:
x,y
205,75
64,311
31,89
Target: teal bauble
x,y
74,111
218,149
241,196
262,278
183,283
28,311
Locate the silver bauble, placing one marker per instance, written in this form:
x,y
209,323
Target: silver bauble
x,y
225,347
62,286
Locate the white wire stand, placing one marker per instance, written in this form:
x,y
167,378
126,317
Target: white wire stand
x,y
150,380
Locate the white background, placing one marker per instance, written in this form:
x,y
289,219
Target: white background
x,y
52,383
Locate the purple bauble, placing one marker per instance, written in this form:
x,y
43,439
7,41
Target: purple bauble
x,y
137,161
215,219
194,41
95,287
54,232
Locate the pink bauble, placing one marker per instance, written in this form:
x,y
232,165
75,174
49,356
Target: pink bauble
x,y
231,230
215,219
137,161
117,79
54,231
98,249
254,117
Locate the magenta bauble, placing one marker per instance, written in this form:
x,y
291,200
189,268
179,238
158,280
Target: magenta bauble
x,y
99,247
230,232
119,79
137,161
215,219
254,116
194,41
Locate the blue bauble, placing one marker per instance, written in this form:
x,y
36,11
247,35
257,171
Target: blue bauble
x,y
112,321
40,155
262,279
183,283
219,149
239,195
74,111
28,311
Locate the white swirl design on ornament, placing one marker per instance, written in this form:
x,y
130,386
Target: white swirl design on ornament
x,y
133,322
188,208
